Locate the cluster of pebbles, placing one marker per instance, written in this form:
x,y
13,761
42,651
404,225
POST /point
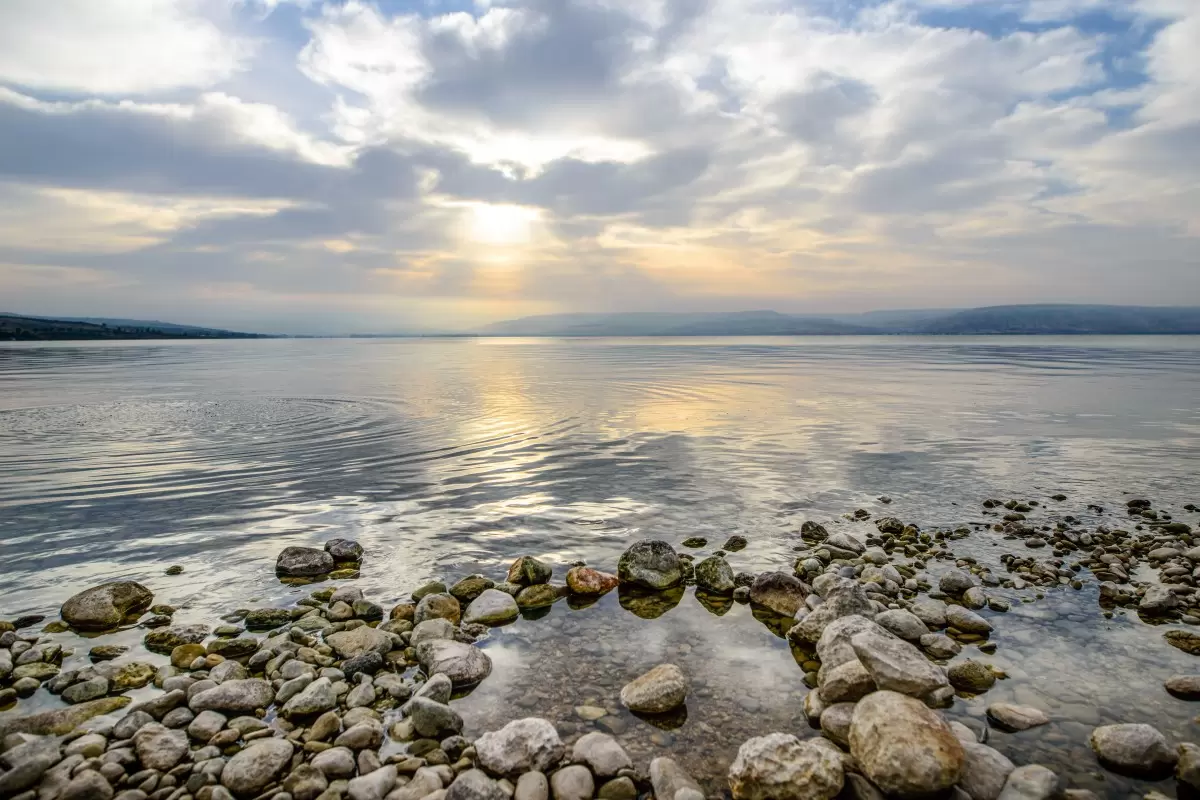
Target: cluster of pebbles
x,y
337,697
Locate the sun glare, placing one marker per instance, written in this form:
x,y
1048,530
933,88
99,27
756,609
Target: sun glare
x,y
501,224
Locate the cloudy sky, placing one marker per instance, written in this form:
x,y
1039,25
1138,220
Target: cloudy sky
x,y
345,166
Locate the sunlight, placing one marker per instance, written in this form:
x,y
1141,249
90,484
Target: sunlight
x,y
501,224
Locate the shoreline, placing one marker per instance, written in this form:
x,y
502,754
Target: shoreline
x,y
848,618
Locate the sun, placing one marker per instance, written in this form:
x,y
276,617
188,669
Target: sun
x,y
501,224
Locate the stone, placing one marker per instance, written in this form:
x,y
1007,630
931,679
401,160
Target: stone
x,y
954,582
529,571
835,722
183,655
658,691
1135,749
1014,718
533,786
87,785
344,550
464,664
715,576
264,619
241,647
896,665
971,676
437,606
520,746
985,771
26,763
781,767
903,747
1030,782
622,788
845,683
159,747
1187,770
470,587
432,719
474,784
375,785
843,598
361,736
305,782
939,645
165,640
251,770
336,763
492,607
239,696
602,754
1185,687
315,698
834,646
1187,641
572,783
778,592
131,676
671,782
105,652
228,671
86,690
966,620
931,612
432,629
363,639
105,606
303,562
590,582
902,623
206,725
540,595
651,564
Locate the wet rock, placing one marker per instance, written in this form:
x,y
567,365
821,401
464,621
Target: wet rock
x,y
590,582
905,748
432,629
437,606
939,645
470,587
1158,600
1133,749
433,719
365,664
237,696
464,664
86,690
520,746
107,652
714,575
1031,782
360,640
105,606
602,754
87,785
314,698
164,640
60,721
843,598
572,783
540,595
1187,641
931,612
206,725
474,784
781,767
848,546
241,647
1187,770
262,619
966,620
1185,687
835,722
904,624
344,550
971,676
303,562
658,691
985,771
651,564
492,607
25,764
529,571
778,592
954,582
671,782
845,683
896,665
616,789
159,747
1012,717
834,648
253,769
735,543
336,763
305,782
183,655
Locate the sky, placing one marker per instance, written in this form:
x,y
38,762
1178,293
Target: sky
x,y
339,166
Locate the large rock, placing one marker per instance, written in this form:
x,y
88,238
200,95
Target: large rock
x,y
105,606
601,753
895,665
985,771
438,605
303,562
253,769
714,575
431,718
315,698
237,696
363,639
60,721
779,592
492,607
467,590
344,550
902,623
473,784
652,564
1187,771
845,683
954,582
159,747
1187,641
1013,718
520,746
590,582
671,782
843,598
781,767
658,691
1030,782
1133,749
25,764
966,620
906,749
463,664
931,612
1185,687
529,571
833,647
164,640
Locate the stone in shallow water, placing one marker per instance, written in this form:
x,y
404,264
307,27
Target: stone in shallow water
x,y
438,605
602,754
896,665
651,564
966,620
1030,782
590,582
843,598
61,721
1133,749
971,676
1185,687
239,696
779,592
658,691
1012,717
714,575
1187,641
520,746
464,664
167,639
902,623
344,550
671,782
301,562
904,747
781,767
572,783
985,771
105,606
471,587
363,639
529,571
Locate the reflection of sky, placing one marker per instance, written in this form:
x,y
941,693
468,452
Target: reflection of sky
x,y
447,457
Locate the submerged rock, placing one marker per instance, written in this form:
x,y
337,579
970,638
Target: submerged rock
x,y
781,767
1133,749
106,606
671,782
652,564
1012,717
60,721
1187,641
658,691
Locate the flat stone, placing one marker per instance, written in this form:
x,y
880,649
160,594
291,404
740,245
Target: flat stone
x,y
363,639
658,691
985,771
60,721
1030,782
1185,687
1012,717
437,606
239,696
159,747
464,664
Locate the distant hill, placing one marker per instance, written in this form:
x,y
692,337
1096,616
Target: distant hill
x,y
1020,319
14,327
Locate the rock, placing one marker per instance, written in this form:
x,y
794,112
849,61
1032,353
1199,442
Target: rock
x,y
735,543
363,639
1158,600
344,550
896,665
972,677
107,652
1187,770
520,746
464,664
778,592
474,784
905,748
1185,687
367,663
1012,717
432,719
1187,641
590,582
781,767
106,606
251,770
183,655
165,640
1133,749
470,587
1031,782
846,543
905,624
939,645
621,788
670,782
601,753
533,786
432,629
658,691
60,721
835,722
843,598
651,564
241,647
336,763
834,647
954,582
931,612
375,785
86,690
572,783
305,782
26,763
529,571
87,785
206,725
540,595
244,696
714,575
314,698
985,771
437,606
966,620
890,525
301,562
159,747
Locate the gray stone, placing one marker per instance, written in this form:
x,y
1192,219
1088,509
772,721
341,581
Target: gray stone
x,y
437,628
520,746
492,607
206,725
572,783
845,683
303,562
159,747
432,719
602,754
305,782
905,624
26,763
843,598
344,550
662,689
315,698
87,690
896,665
532,786
954,582
474,784
361,736
1133,749
251,770
966,620
939,645
374,785
671,782
931,612
781,767
236,696
985,771
1012,717
438,605
778,592
834,648
652,564
105,606
464,664
363,639
336,763
1031,782
903,747
835,722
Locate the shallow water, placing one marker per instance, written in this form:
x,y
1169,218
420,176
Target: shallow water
x,y
452,456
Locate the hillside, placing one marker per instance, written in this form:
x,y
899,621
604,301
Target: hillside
x,y
740,323
1067,319
14,327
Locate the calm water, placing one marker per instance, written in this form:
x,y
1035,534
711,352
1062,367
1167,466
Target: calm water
x,y
448,457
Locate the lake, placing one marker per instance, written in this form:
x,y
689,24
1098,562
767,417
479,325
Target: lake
x,y
446,457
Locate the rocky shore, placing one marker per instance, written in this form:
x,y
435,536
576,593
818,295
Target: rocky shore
x,y
337,696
